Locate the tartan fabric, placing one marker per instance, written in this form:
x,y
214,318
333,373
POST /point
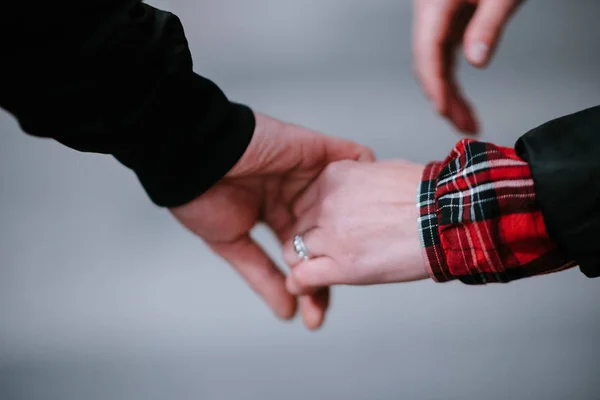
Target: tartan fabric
x,y
479,220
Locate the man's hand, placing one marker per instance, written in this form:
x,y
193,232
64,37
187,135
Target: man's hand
x,y
280,162
440,26
359,223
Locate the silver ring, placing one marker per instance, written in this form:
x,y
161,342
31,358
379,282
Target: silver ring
x,y
300,247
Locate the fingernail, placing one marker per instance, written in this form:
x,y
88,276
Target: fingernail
x,y
478,52
292,287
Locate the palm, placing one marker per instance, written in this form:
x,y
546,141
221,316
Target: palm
x,y
235,205
277,167
225,216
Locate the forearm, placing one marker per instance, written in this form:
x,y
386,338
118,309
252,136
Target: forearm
x,y
116,77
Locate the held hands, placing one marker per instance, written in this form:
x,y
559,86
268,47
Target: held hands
x,y
357,220
280,162
440,27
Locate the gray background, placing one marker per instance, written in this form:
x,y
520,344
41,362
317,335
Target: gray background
x,y
104,296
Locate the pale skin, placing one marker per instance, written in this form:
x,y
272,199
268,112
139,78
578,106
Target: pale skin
x,y
358,237
280,162
370,236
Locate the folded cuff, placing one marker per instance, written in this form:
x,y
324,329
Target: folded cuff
x,y
433,253
185,154
479,219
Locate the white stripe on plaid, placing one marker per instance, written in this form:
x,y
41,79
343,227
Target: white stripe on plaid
x,y
478,230
488,186
478,202
452,170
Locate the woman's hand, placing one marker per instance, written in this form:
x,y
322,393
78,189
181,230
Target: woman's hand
x,y
359,224
440,26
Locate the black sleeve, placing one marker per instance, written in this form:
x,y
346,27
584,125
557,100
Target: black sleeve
x,y
564,155
115,77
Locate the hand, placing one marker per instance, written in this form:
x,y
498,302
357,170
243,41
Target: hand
x,y
440,27
280,162
360,226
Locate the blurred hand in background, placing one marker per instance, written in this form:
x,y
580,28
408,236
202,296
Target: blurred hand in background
x,y
439,28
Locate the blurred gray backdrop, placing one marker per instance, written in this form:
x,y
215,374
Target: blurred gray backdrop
x,y
104,296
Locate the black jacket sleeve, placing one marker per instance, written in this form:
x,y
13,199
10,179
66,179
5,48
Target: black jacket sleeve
x,y
564,156
115,77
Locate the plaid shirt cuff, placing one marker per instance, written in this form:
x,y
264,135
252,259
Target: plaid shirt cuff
x,y
479,220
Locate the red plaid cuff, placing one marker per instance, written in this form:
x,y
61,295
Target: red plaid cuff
x,y
479,220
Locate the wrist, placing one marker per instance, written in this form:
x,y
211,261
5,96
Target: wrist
x,y
187,141
263,148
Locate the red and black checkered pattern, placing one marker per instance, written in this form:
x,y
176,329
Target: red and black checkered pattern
x,y
479,219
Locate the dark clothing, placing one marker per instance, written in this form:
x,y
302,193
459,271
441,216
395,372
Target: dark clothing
x,y
115,77
564,156
480,221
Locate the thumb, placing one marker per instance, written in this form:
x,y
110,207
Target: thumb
x,y
485,29
365,154
338,149
318,150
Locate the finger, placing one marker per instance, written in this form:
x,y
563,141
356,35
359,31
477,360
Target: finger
x,y
314,241
316,150
281,145
485,29
338,149
309,276
436,49
431,37
461,113
314,308
312,305
261,273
